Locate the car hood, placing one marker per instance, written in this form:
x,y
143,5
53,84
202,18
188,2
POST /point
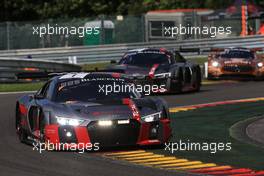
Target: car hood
x,y
97,110
103,109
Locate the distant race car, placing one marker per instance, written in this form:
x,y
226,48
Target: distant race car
x,y
73,108
235,62
158,66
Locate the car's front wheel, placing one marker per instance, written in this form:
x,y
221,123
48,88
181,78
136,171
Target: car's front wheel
x,y
176,83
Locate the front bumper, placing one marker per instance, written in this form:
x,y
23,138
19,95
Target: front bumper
x,y
134,133
228,71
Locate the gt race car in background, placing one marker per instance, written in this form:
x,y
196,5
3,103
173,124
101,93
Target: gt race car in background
x,y
235,62
69,109
158,66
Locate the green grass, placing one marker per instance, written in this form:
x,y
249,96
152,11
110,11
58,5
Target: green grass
x,y
20,87
212,124
99,66
199,60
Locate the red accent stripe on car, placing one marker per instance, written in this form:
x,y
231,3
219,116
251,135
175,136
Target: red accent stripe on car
x,y
52,134
144,133
152,70
166,129
116,75
23,110
133,108
162,50
82,135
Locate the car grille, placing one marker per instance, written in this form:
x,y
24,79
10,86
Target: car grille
x,y
238,68
116,134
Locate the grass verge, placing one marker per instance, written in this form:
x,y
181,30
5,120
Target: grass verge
x,y
99,66
212,125
16,87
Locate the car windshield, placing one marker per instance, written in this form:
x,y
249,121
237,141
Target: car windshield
x,y
89,90
145,59
238,54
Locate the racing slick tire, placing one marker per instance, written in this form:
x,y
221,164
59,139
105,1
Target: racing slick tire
x,y
175,84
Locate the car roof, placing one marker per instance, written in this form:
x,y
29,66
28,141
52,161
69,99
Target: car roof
x,y
238,49
150,49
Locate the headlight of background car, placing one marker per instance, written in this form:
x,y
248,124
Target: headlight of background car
x,y
260,64
215,64
152,117
68,121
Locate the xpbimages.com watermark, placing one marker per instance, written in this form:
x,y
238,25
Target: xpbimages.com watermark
x,y
128,88
81,31
211,147
212,31
80,147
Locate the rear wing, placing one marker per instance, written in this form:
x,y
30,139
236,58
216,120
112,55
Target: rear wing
x,y
178,52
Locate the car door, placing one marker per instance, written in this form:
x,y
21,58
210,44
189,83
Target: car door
x,y
35,110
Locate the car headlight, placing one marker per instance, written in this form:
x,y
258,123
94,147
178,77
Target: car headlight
x,y
260,64
68,121
152,117
215,64
105,123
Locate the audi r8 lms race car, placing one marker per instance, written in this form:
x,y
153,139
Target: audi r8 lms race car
x,y
73,108
236,62
162,67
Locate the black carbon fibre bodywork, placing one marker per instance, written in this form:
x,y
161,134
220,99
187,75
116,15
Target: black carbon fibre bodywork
x,y
174,72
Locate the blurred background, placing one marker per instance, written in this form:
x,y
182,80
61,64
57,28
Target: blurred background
x,y
127,21
123,25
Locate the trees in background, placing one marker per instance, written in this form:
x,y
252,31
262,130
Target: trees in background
x,y
23,10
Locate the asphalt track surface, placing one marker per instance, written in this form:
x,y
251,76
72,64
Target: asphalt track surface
x,y
20,159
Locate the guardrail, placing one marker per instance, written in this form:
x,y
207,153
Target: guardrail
x,y
10,66
103,53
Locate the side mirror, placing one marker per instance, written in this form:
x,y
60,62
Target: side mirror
x,y
37,96
113,62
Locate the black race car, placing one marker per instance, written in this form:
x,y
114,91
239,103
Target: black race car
x,y
72,109
168,70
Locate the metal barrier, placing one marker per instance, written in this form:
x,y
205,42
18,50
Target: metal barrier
x,y
10,66
104,53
